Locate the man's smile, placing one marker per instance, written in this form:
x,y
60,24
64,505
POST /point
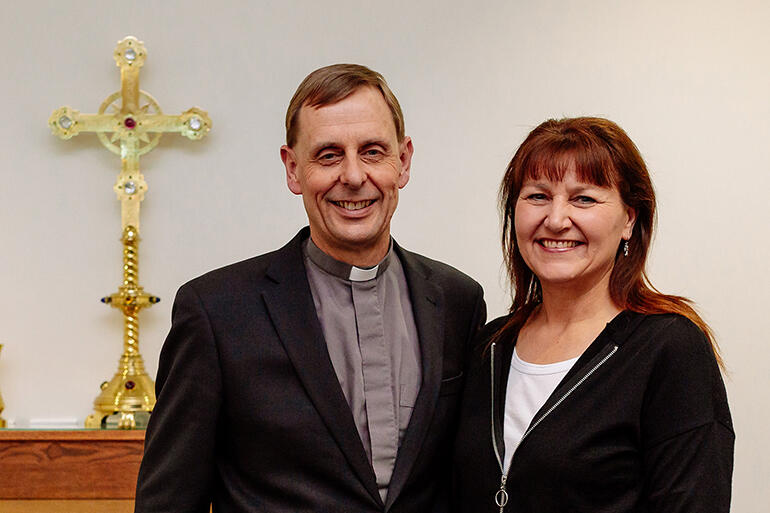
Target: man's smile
x,y
353,205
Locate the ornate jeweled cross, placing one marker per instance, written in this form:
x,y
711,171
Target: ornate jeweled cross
x,y
135,123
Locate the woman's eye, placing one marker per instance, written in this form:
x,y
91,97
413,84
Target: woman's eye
x,y
538,196
585,200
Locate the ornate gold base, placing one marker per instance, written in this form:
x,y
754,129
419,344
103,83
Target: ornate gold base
x,y
130,393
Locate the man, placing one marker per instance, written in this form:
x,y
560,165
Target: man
x,y
323,376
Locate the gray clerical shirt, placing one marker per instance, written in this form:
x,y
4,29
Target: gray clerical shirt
x,y
367,321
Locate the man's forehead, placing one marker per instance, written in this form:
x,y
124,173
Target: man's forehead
x,y
364,111
317,102
363,99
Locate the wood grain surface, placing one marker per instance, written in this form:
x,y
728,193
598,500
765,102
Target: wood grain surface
x,y
83,464
69,506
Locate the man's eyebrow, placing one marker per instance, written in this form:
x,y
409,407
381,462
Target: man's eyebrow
x,y
379,142
321,146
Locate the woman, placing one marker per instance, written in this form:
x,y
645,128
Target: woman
x,y
596,393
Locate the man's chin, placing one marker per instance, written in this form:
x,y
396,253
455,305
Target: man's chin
x,y
349,241
355,232
356,241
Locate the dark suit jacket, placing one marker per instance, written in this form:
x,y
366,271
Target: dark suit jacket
x,y
251,416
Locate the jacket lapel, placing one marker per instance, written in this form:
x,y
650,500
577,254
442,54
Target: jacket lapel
x,y
291,309
612,337
427,305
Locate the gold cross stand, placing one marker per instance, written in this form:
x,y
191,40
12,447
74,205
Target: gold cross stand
x,y
135,121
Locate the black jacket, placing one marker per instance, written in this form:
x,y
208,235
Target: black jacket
x,y
639,424
251,416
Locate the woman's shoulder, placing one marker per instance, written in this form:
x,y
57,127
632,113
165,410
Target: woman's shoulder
x,y
491,328
666,343
684,386
486,335
670,333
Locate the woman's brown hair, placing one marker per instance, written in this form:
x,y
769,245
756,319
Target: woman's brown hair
x,y
601,153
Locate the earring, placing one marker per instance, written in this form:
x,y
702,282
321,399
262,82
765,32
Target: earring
x,y
625,248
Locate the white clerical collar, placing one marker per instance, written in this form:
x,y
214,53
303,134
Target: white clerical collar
x,y
342,269
359,274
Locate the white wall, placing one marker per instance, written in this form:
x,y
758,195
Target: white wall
x,y
688,80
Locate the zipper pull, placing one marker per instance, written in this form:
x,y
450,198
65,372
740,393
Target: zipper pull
x,y
501,497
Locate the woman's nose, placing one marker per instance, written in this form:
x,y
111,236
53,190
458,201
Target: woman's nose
x,y
558,216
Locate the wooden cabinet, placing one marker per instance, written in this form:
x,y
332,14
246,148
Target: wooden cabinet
x,y
80,471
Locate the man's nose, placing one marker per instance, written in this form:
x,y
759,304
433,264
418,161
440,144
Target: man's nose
x,y
558,216
353,173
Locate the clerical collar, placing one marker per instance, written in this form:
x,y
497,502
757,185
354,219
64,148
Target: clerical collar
x,y
343,270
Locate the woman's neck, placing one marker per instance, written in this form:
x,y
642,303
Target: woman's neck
x,y
563,306
565,323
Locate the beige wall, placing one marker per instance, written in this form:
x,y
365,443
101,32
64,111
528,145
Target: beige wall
x,y
689,82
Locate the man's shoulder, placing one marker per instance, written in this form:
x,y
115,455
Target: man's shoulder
x,y
436,271
249,269
249,273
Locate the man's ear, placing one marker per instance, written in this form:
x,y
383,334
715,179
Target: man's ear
x,y
405,152
290,163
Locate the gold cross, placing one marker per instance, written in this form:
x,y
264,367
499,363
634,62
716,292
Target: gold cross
x,y
134,119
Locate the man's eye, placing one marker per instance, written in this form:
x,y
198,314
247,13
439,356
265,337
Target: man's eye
x,y
372,152
327,157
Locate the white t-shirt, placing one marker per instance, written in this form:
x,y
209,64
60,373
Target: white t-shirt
x,y
529,387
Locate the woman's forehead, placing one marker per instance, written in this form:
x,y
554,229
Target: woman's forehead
x,y
569,179
561,168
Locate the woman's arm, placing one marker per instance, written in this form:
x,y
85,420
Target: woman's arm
x,y
687,431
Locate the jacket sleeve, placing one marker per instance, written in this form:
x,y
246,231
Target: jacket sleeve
x,y
687,432
478,322
177,470
443,502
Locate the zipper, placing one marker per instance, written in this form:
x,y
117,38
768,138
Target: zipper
x,y
501,497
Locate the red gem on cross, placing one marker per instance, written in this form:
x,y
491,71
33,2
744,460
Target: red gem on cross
x,y
130,385
130,123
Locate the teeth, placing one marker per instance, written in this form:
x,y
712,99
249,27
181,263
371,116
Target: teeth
x,y
558,244
353,205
